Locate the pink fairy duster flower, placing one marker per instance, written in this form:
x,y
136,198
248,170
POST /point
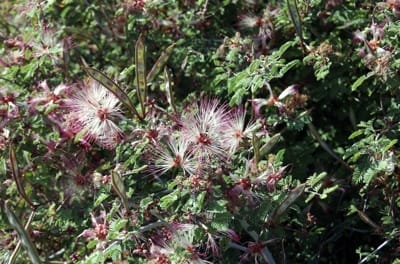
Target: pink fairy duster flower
x,y
359,36
175,154
8,107
205,128
242,191
94,111
99,229
237,130
48,97
176,246
133,6
270,178
49,45
212,244
395,6
250,21
273,100
230,233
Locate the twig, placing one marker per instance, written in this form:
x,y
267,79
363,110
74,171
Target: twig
x,y
326,147
373,252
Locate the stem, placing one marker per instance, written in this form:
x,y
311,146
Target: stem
x,y
237,246
151,226
326,147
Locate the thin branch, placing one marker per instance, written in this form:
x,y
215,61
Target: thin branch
x,y
326,147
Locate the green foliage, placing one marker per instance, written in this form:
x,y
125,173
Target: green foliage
x,y
302,167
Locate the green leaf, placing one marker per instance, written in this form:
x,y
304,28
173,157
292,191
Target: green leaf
x,y
117,225
126,72
218,206
102,197
287,67
360,81
146,202
356,133
113,252
79,135
221,221
237,97
167,200
279,156
92,243
369,175
322,70
327,191
257,83
389,145
282,49
199,201
237,82
313,180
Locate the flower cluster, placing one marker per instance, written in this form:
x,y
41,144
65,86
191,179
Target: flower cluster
x,y
375,55
206,133
176,246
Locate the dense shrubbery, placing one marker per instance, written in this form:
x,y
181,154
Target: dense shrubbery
x,y
195,131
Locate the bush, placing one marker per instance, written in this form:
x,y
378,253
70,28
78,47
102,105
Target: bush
x,y
199,131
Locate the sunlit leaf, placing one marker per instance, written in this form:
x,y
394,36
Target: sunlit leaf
x,y
361,80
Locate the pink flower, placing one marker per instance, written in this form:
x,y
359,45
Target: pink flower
x,y
48,97
100,227
179,247
8,107
247,21
94,112
270,178
205,128
175,154
237,130
273,100
230,233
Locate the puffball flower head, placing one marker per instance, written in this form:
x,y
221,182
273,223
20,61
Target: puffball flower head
x,y
175,153
93,113
237,130
205,127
